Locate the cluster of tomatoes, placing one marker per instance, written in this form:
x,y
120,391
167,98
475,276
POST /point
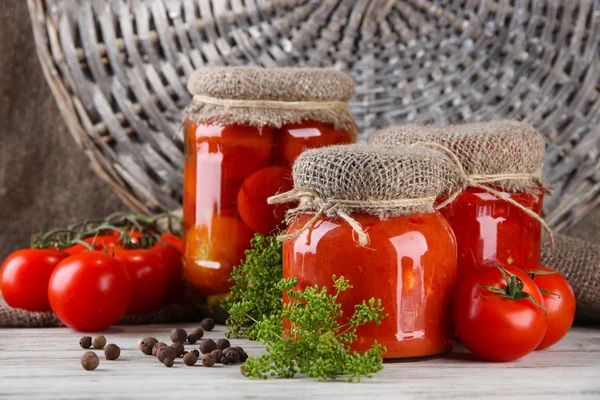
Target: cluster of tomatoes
x,y
91,278
502,313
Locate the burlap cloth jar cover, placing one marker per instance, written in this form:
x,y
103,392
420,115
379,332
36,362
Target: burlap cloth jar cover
x,y
337,181
270,97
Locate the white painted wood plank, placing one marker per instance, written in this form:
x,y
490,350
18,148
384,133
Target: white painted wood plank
x,y
45,363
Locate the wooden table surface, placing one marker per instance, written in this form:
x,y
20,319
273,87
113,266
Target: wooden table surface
x,y
45,363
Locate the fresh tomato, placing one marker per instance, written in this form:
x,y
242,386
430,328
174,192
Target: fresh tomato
x,y
498,313
149,278
252,203
212,251
24,277
559,300
89,291
171,256
97,242
295,138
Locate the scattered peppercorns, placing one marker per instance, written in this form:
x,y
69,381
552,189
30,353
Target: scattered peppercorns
x,y
223,343
190,359
179,348
90,361
168,362
166,352
207,345
208,360
98,342
85,342
218,353
207,324
178,335
146,345
196,352
157,346
112,352
230,356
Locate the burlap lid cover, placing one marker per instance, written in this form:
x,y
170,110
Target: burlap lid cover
x,y
505,154
385,182
270,96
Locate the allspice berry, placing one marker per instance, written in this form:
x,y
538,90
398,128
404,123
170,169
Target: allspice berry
x,y
208,360
178,335
190,359
243,357
207,324
112,352
230,356
218,353
193,338
166,352
157,346
146,344
168,362
99,342
223,343
85,342
198,332
90,361
207,345
179,348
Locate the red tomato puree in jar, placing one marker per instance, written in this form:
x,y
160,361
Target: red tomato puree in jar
x,y
376,226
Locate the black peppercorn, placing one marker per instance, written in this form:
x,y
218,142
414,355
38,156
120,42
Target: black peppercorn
x,y
223,343
207,345
196,352
157,346
99,342
89,361
218,353
168,362
178,335
207,324
243,356
166,352
112,352
198,332
190,359
230,356
85,342
208,360
146,344
179,348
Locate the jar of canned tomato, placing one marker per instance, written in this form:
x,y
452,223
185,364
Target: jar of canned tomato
x,y
496,214
243,130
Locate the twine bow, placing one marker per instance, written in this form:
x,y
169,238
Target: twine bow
x,y
480,181
276,104
311,200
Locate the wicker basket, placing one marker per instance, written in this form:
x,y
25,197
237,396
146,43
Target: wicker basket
x,y
118,71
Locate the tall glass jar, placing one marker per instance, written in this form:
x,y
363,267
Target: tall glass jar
x,y
410,264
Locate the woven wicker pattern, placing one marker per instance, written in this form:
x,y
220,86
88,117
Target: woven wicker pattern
x,y
118,70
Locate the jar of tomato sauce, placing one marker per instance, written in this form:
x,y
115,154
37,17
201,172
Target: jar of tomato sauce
x,y
367,214
496,214
243,130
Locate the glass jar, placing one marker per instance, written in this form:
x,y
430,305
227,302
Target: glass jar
x,y
410,264
489,229
230,171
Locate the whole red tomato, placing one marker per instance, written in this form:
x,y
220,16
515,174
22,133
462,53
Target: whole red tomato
x,y
24,277
149,278
559,300
89,291
97,242
172,260
498,313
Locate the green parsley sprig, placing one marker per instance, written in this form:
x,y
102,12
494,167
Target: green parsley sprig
x,y
306,337
255,292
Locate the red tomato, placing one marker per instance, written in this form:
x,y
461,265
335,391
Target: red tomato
x,y
89,291
149,278
212,251
493,326
97,242
295,138
24,277
172,260
173,240
252,198
561,304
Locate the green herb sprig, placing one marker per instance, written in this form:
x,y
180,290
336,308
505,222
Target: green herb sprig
x,y
255,292
306,337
